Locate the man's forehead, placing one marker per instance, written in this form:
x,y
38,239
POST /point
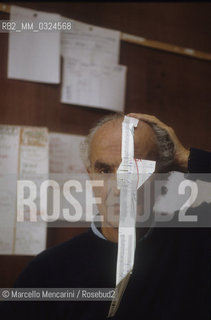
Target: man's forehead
x,y
112,127
108,138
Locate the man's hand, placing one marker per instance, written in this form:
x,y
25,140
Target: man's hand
x,y
181,153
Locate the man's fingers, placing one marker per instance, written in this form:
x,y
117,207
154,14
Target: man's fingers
x,y
181,153
143,116
152,119
149,118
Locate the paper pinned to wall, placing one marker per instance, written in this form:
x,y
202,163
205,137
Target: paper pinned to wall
x,y
33,165
65,165
97,86
91,74
64,151
34,56
91,44
9,149
23,156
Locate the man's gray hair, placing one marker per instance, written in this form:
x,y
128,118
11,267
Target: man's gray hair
x,y
165,145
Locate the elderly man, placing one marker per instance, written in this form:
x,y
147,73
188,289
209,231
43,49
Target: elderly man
x,y
171,272
151,142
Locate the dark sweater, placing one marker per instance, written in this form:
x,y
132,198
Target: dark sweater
x,y
170,279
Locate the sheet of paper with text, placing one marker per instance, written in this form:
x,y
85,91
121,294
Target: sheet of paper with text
x,y
34,56
23,156
9,157
92,76
66,165
64,151
129,179
33,166
96,86
90,44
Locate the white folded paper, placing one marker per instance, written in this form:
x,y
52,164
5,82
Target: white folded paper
x,y
131,174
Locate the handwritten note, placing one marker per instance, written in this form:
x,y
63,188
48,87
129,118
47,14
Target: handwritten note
x,y
91,74
9,150
93,85
23,156
31,236
91,44
64,152
34,56
66,165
